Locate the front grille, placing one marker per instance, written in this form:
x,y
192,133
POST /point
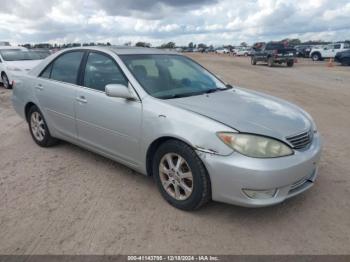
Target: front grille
x,y
300,141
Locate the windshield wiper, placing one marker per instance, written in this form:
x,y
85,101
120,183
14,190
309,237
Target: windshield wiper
x,y
173,96
213,90
218,89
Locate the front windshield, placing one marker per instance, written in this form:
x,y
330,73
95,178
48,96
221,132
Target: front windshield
x,y
18,55
171,76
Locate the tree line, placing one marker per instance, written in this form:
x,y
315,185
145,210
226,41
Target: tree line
x,y
172,45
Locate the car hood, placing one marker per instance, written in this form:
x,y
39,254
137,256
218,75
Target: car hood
x,y
249,112
25,65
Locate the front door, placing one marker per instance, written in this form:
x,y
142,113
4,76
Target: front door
x,y
111,125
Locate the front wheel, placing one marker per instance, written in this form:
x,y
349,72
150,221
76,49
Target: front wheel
x,y
181,176
5,81
253,61
345,62
38,128
290,63
270,62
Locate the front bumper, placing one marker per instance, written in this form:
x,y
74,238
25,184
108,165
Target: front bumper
x,y
289,175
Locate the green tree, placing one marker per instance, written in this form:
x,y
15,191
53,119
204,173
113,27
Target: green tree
x,y
143,44
169,45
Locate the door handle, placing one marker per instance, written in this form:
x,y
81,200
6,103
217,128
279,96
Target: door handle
x,y
81,99
39,87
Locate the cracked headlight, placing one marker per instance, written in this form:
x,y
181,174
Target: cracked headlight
x,y
255,146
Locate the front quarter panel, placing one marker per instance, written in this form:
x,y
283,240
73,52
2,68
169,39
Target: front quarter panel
x,y
163,120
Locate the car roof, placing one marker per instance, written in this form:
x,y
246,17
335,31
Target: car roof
x,y
126,50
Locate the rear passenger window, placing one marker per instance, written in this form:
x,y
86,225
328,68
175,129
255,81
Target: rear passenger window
x,y
337,46
100,71
66,67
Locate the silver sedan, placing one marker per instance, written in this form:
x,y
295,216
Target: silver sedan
x,y
166,116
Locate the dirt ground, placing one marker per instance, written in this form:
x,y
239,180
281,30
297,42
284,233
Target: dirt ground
x,y
66,200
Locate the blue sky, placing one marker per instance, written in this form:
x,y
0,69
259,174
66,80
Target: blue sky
x,y
214,22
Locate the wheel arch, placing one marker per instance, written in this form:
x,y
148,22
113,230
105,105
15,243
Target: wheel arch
x,y
27,107
152,148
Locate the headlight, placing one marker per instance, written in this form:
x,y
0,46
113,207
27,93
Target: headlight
x,y
12,68
255,146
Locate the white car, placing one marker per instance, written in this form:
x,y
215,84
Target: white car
x,y
243,51
222,51
14,61
328,51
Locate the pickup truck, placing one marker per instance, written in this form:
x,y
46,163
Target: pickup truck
x,y
328,51
274,53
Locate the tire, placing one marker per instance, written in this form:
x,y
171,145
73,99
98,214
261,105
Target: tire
x,y
253,61
270,62
38,128
316,57
186,187
345,62
290,63
5,81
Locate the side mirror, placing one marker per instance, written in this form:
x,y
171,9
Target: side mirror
x,y
119,90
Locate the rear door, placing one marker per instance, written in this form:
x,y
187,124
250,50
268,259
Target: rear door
x,y
56,91
336,49
111,125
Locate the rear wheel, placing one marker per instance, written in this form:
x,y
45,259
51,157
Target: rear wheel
x,y
290,63
270,61
5,81
38,128
181,176
316,57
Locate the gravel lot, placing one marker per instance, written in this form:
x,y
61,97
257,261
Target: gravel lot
x,y
66,200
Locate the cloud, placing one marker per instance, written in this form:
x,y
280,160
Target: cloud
x,y
157,21
151,9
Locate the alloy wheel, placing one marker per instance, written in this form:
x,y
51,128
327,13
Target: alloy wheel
x,y
37,125
176,176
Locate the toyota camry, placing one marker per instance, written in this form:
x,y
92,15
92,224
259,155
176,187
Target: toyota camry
x,y
166,116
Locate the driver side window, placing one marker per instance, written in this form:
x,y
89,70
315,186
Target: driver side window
x,y
102,70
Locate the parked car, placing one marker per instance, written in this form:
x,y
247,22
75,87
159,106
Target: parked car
x,y
15,60
328,51
198,137
222,50
4,43
209,50
244,51
274,53
303,50
343,57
